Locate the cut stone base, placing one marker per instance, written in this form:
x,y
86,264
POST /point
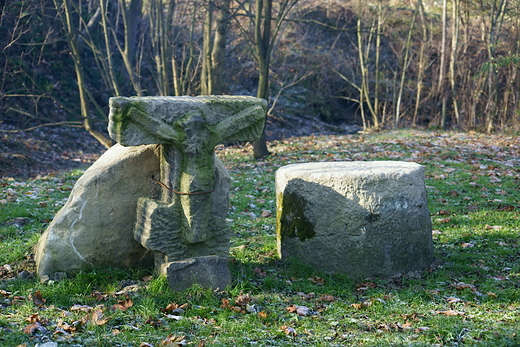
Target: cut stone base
x,y
356,218
209,272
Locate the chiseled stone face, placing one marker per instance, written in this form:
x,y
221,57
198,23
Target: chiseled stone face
x,y
192,123
357,218
180,224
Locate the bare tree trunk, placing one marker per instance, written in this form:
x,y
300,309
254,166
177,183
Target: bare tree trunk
x,y
442,65
378,51
108,47
407,49
218,54
363,69
48,21
160,42
422,64
453,56
497,18
130,13
71,32
206,87
364,45
263,53
182,67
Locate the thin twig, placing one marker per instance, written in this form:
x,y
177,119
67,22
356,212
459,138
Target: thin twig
x,y
78,124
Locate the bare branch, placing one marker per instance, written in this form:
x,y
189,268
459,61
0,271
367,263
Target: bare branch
x,y
73,124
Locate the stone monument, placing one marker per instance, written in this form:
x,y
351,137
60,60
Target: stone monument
x,y
184,224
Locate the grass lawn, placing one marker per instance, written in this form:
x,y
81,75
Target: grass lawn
x,y
470,296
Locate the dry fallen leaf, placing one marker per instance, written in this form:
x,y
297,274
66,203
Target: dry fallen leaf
x,y
259,272
99,296
361,305
453,300
82,308
462,285
34,327
33,318
266,214
147,278
5,293
299,310
37,298
306,297
175,308
173,341
501,278
123,305
421,329
243,300
365,286
227,305
288,330
451,313
262,314
491,294
153,322
97,318
327,298
317,280
65,326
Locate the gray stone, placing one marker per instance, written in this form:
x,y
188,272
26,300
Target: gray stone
x,y
208,271
167,193
356,218
95,228
185,222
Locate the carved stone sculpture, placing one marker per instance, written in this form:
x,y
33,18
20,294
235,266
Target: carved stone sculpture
x,y
181,224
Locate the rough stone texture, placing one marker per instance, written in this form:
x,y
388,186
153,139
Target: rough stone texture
x,y
95,228
357,218
208,272
184,222
117,211
159,225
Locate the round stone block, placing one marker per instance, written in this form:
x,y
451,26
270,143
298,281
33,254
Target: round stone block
x,y
361,219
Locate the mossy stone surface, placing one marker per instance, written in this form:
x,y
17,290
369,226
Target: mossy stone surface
x,y
356,218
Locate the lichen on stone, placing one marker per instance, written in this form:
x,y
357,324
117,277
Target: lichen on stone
x,y
294,222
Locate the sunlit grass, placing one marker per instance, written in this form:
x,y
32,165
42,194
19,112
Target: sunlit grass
x,y
469,296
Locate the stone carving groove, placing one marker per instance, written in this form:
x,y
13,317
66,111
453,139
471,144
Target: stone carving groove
x,y
181,223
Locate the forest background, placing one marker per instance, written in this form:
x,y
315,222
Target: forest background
x,y
446,64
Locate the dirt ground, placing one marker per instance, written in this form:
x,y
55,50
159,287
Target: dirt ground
x,y
46,150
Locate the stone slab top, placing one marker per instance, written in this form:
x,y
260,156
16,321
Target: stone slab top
x,y
349,169
185,119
